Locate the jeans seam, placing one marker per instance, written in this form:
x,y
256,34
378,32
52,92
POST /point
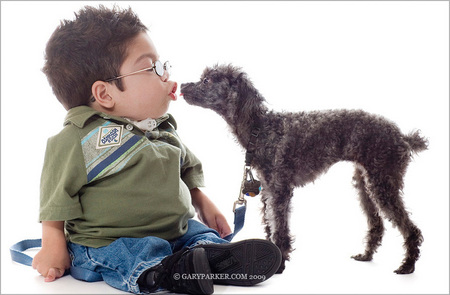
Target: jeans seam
x,y
139,269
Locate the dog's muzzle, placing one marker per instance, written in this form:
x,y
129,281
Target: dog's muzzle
x,y
185,88
186,91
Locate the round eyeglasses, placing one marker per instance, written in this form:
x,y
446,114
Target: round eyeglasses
x,y
157,66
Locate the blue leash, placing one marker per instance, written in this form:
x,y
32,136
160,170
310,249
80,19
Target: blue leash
x,y
239,219
17,250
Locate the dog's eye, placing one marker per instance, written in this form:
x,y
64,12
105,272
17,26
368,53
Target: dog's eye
x,y
205,80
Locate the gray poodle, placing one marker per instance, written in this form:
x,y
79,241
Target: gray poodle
x,y
291,149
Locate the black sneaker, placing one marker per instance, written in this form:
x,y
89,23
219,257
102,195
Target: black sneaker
x,y
244,263
186,271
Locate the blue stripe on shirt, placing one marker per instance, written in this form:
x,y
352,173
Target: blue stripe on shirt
x,y
111,158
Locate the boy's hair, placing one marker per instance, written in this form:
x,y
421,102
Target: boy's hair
x,y
92,47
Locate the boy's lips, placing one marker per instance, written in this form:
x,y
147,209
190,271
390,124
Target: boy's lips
x,y
173,94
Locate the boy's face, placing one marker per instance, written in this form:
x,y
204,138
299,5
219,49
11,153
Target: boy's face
x,y
146,94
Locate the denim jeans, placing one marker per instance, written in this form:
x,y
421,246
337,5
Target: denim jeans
x,y
124,260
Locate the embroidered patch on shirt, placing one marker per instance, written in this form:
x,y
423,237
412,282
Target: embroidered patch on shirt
x,y
110,135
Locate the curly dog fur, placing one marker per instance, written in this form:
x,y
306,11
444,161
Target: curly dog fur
x,y
293,149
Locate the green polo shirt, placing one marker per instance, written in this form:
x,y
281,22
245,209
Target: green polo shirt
x,y
108,179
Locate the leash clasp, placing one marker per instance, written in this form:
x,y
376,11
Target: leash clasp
x,y
241,198
249,187
240,201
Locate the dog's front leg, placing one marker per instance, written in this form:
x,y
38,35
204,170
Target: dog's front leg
x,y
266,216
277,205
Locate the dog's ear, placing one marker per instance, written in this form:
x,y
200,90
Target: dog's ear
x,y
243,85
241,76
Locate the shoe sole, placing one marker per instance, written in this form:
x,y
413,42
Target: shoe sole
x,y
244,263
201,266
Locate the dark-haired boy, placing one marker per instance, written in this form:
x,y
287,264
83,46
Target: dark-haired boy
x,y
119,189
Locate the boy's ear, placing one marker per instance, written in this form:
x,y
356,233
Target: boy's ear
x,y
101,95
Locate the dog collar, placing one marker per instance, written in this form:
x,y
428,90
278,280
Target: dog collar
x,y
252,145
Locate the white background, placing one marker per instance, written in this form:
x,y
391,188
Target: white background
x,y
389,58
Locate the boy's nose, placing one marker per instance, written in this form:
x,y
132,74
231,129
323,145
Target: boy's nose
x,y
165,77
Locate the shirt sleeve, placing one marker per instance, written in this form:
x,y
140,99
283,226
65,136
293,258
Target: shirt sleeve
x,y
62,178
192,171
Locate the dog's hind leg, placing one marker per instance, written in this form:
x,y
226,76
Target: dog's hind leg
x,y
374,221
388,197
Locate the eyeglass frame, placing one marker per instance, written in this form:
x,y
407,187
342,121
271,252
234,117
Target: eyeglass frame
x,y
165,67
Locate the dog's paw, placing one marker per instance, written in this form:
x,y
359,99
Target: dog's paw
x,y
281,268
362,257
405,269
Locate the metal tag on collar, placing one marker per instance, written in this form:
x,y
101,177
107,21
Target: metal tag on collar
x,y
250,186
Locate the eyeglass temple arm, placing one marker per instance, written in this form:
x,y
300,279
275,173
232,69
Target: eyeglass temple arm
x,y
126,75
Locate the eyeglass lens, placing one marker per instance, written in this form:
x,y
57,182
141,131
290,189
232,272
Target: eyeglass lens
x,y
159,68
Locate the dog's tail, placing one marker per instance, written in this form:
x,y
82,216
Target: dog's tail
x,y
416,141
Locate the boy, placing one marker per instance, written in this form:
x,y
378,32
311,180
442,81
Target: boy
x,y
118,187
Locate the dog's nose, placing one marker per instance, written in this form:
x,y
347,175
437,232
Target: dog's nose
x,y
185,86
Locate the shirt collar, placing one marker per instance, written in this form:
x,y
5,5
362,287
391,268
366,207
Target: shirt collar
x,y
78,116
149,124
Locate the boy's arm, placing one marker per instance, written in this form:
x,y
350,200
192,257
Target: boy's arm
x,y
208,213
53,259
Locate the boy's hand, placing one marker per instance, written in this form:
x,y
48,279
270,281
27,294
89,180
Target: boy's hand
x,y
53,259
209,214
217,221
51,263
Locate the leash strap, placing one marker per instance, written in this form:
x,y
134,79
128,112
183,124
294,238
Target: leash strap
x,y
17,250
84,274
239,212
239,219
